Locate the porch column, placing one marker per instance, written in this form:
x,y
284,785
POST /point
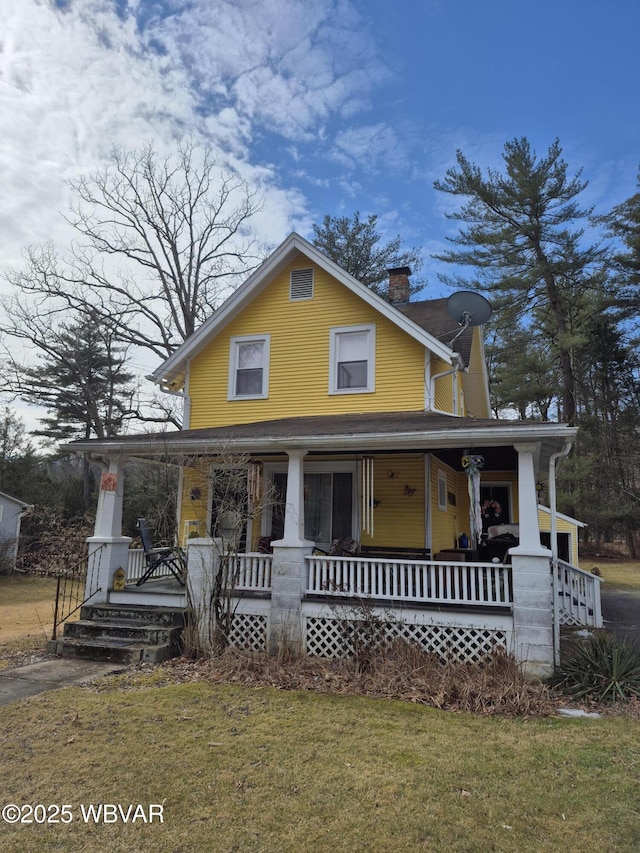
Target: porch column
x,y
532,605
288,573
203,561
108,548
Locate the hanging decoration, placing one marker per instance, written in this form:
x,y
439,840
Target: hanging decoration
x,y
472,463
254,482
368,501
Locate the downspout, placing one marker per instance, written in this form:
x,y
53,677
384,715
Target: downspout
x,y
554,548
430,387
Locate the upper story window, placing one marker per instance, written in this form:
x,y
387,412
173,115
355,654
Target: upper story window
x,y
301,284
249,367
352,352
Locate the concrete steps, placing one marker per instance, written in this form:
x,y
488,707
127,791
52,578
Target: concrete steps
x,y
124,634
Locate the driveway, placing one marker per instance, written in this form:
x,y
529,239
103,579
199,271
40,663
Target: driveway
x,y
621,611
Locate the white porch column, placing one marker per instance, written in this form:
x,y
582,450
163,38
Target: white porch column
x,y
288,573
108,548
532,606
203,558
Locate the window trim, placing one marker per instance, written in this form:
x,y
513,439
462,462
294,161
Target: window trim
x,y
335,467
370,331
442,491
234,350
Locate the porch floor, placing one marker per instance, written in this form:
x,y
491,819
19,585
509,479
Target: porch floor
x,y
160,592
167,585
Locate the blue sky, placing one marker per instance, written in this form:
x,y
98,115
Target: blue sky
x,y
329,106
324,106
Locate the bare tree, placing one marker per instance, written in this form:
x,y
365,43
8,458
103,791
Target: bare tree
x,y
239,496
160,242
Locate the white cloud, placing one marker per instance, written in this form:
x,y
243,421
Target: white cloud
x,y
77,80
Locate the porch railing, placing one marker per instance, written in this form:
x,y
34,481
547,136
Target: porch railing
x,y
251,571
75,586
418,581
137,566
578,596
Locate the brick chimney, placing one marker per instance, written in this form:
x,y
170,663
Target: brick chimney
x,y
399,285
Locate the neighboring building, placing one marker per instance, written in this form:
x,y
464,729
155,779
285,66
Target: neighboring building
x,y
11,512
368,417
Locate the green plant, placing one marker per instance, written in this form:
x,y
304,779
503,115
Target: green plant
x,y
604,668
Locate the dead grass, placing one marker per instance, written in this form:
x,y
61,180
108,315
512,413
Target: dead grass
x,y
26,606
622,574
242,769
403,672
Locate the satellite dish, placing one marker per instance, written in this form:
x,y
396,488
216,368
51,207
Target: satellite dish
x,y
469,308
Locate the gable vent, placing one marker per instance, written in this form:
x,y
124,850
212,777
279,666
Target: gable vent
x,y
301,286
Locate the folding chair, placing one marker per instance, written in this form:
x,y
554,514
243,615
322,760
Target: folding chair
x,y
172,558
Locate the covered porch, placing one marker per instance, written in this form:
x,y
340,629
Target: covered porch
x,y
405,489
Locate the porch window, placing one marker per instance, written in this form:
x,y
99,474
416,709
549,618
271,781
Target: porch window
x,y
249,368
328,506
352,350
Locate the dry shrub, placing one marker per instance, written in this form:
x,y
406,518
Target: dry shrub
x,y
401,671
55,545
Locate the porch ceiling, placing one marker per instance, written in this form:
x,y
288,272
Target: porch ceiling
x,y
355,433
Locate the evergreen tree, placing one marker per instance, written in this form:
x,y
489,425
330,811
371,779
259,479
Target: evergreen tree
x,y
624,223
355,245
521,232
82,383
601,480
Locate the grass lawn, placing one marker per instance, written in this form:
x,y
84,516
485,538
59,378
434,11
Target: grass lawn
x,y
625,575
246,769
26,610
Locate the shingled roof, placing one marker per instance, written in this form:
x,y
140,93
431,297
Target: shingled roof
x,y
432,316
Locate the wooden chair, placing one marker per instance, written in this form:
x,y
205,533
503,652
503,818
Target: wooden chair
x,y
156,558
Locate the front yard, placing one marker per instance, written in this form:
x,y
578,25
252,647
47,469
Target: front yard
x,y
239,768
26,615
233,767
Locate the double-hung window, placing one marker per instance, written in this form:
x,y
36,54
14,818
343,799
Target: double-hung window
x,y
352,351
249,367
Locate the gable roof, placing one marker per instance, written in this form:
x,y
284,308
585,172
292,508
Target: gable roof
x,y
564,517
171,372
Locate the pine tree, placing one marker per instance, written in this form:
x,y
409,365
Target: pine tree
x,y
82,383
355,245
522,233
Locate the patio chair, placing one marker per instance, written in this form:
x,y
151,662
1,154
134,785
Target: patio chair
x,y
157,558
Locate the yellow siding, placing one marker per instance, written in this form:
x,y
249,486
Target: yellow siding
x,y
444,525
563,526
475,380
193,504
399,490
299,360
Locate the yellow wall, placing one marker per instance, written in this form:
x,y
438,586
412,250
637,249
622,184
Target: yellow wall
x,y
299,360
193,504
563,526
399,489
444,523
475,380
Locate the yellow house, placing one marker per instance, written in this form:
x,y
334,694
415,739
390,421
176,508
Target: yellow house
x,y
367,421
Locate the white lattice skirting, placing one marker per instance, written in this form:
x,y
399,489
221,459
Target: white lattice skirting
x,y
249,631
329,638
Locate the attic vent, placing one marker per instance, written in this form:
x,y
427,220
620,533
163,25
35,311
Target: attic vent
x,y
301,284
